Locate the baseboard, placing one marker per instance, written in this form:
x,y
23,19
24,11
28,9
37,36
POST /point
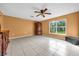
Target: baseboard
x,y
21,36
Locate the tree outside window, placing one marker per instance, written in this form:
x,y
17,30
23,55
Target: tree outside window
x,y
58,27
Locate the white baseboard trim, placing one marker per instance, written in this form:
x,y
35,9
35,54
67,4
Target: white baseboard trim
x,y
21,36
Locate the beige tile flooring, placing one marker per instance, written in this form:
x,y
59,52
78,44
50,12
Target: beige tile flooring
x,y
41,46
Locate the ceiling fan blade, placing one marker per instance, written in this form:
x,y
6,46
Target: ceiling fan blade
x,y
36,11
48,13
45,9
43,15
38,15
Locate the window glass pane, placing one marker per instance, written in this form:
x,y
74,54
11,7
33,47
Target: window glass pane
x,y
61,30
53,27
61,27
54,23
61,23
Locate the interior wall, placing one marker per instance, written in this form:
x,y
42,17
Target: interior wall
x,y
78,24
72,25
18,27
1,21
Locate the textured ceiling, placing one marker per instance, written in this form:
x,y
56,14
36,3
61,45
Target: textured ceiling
x,y
26,10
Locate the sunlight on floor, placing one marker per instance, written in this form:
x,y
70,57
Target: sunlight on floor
x,y
55,45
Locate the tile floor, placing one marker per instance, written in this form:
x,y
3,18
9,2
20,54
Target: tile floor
x,y
41,46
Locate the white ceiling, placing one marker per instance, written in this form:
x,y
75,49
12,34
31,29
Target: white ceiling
x,y
26,10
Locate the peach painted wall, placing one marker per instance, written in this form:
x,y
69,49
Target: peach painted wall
x,y
72,25
1,20
18,27
78,24
72,22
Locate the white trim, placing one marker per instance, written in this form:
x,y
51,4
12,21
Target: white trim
x,y
56,32
21,36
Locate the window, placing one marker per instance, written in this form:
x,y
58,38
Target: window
x,y
57,27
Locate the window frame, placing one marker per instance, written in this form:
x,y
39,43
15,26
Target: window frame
x,y
56,27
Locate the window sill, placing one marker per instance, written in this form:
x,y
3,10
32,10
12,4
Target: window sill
x,y
58,34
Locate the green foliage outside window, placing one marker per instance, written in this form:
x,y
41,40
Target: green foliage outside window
x,y
58,27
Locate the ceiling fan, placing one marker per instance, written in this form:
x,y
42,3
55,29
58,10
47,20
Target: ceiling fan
x,y
42,12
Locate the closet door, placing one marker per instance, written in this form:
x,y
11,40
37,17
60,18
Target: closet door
x,y
38,28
